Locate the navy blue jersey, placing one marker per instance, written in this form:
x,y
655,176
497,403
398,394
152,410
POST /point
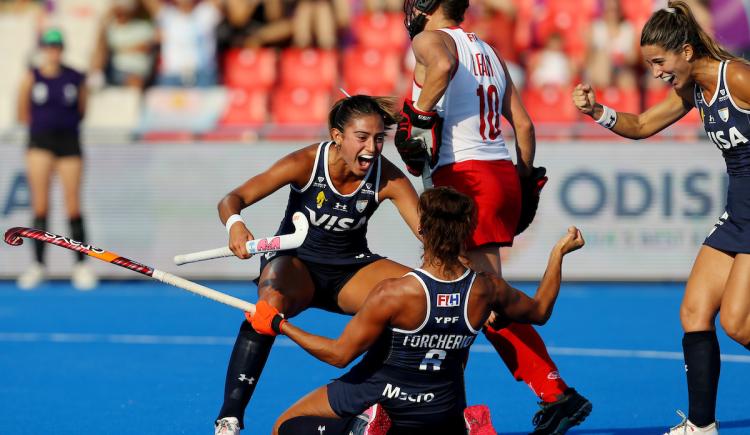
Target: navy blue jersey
x,y
338,223
726,124
441,343
54,101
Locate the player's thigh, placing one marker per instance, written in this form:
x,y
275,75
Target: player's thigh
x,y
704,289
353,294
735,304
314,403
285,283
486,259
70,171
39,166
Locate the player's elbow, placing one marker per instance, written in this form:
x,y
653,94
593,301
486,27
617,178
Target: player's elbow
x,y
523,127
340,361
540,314
443,67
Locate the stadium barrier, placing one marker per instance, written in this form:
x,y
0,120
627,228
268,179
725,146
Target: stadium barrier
x,y
644,207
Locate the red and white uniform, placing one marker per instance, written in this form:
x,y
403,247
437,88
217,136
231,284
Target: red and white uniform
x,y
473,157
472,104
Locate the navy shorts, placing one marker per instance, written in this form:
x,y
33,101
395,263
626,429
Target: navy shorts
x,y
328,279
732,232
59,143
417,403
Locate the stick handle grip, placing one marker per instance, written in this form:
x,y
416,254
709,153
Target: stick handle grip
x,y
204,291
203,255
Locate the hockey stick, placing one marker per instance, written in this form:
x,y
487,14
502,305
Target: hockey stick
x,y
268,244
14,236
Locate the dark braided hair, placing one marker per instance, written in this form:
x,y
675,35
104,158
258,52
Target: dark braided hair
x,y
446,219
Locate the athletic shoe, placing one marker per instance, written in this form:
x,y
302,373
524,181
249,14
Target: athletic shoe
x,y
374,421
31,278
227,426
686,427
555,418
83,278
478,422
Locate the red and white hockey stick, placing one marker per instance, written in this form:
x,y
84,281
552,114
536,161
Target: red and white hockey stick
x,y
267,244
14,236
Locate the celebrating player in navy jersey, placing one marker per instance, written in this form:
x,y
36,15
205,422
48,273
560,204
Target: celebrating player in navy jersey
x,y
338,185
705,76
461,89
418,329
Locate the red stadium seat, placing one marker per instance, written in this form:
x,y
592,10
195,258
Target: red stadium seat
x,y
550,104
380,30
245,107
620,99
310,68
371,71
250,68
637,12
300,105
570,19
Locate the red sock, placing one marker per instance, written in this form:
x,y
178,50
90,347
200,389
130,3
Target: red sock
x,y
525,354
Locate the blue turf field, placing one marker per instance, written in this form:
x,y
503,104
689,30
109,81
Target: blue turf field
x,y
145,358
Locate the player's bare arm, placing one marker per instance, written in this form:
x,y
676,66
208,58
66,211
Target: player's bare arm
x,y
292,169
516,114
436,61
537,310
638,126
24,98
398,188
738,78
382,306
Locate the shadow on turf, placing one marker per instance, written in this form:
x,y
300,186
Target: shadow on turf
x,y
736,424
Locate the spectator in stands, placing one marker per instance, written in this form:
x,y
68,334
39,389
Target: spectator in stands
x,y
384,5
551,66
125,49
254,24
188,41
612,56
316,23
52,102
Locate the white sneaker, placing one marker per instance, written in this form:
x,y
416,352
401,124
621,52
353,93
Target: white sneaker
x,y
227,426
33,276
83,278
686,427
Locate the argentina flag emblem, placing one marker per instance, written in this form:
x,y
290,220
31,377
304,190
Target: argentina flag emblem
x,y
724,114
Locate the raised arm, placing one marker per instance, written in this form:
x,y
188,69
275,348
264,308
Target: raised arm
x,y
633,126
519,307
400,191
380,307
294,168
24,99
432,51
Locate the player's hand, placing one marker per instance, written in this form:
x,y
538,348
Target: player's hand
x,y
238,237
418,137
584,99
267,320
571,241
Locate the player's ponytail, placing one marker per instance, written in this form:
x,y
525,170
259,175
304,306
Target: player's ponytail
x,y
673,27
446,220
345,109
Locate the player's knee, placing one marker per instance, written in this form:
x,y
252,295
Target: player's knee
x,y
695,318
737,327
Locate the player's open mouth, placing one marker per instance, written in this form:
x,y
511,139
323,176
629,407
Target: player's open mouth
x,y
365,160
669,78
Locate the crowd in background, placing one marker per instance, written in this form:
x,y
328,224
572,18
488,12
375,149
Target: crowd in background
x,y
185,43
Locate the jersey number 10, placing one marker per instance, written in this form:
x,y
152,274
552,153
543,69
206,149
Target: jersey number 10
x,y
491,101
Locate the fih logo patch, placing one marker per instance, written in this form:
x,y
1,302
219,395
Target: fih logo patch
x,y
448,299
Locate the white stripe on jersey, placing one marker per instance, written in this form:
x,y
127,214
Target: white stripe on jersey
x,y
472,104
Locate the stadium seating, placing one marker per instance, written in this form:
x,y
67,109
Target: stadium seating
x,y
380,30
300,105
250,68
309,68
371,71
247,107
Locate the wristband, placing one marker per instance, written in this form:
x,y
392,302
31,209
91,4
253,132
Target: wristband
x,y
233,219
608,118
276,323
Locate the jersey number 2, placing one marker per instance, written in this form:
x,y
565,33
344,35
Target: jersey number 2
x,y
491,101
433,358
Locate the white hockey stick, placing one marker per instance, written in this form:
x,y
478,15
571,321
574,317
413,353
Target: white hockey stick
x,y
267,244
